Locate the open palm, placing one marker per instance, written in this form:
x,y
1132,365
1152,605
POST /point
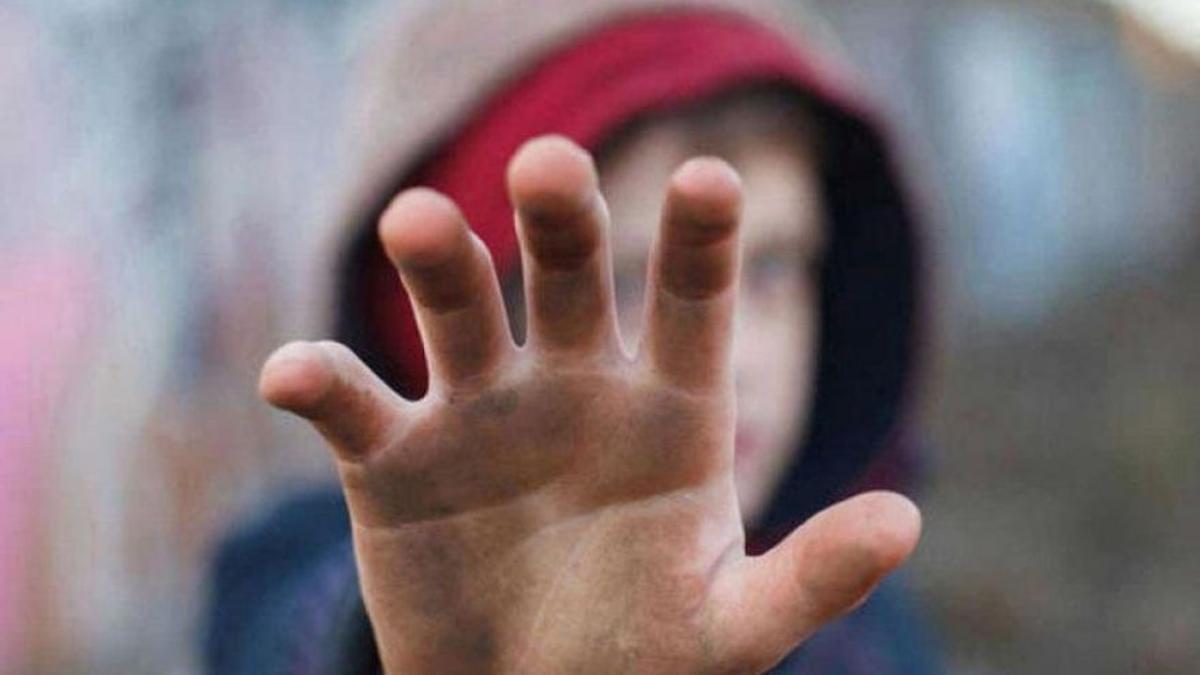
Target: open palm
x,y
563,506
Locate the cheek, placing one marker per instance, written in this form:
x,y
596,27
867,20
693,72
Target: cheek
x,y
776,344
776,347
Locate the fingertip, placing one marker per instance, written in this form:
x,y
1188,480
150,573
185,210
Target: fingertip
x,y
709,188
296,377
897,524
421,227
901,510
552,174
892,526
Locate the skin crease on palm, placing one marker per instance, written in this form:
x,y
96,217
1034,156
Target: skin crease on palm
x,y
570,505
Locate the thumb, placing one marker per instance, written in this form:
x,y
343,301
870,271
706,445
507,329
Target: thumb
x,y
826,568
325,383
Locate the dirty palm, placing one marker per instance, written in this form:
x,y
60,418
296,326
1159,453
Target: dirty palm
x,y
569,504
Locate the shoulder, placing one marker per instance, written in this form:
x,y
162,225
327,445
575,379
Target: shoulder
x,y
281,586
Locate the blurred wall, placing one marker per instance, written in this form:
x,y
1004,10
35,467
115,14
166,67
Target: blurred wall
x,y
1061,153
162,166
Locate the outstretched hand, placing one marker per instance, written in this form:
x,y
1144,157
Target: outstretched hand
x,y
563,506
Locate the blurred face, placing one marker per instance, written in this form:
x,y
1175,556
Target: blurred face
x,y
782,239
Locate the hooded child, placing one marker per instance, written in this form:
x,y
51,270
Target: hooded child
x,y
823,349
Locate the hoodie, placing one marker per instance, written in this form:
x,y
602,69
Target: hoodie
x,y
448,96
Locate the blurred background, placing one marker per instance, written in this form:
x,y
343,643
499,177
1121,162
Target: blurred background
x,y
161,166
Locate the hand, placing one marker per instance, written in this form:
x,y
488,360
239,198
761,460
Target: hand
x,y
563,507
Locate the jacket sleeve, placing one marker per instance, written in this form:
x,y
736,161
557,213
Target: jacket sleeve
x,y
284,595
888,635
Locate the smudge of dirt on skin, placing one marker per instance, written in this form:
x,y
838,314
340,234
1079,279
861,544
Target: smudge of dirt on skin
x,y
500,403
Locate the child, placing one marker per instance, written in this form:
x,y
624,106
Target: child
x,y
579,503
